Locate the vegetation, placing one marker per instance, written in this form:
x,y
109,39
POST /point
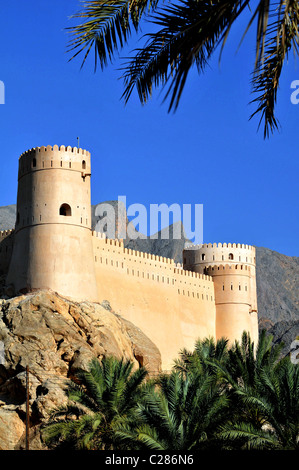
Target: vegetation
x,y
184,34
216,397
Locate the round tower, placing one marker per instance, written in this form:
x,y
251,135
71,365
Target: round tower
x,y
232,267
53,242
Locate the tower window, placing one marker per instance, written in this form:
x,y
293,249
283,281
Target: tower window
x,y
203,257
83,165
230,256
65,210
34,163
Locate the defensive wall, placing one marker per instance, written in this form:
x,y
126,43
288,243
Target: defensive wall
x,y
212,295
52,246
6,247
174,307
232,268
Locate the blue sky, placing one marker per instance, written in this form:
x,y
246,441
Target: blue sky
x,y
207,153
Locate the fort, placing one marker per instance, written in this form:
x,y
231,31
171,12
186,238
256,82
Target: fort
x,y
53,247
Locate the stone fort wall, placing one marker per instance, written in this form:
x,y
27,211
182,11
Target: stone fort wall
x,y
6,247
212,295
174,307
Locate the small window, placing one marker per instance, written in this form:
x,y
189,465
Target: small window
x,y
83,165
34,163
65,210
230,256
203,257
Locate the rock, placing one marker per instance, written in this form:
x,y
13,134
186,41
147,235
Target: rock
x,y
285,333
57,338
277,286
12,429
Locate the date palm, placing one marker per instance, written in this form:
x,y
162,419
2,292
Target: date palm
x,y
186,33
275,398
207,354
182,413
104,398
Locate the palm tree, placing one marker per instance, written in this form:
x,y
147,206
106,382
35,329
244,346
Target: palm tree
x,y
275,399
206,354
105,397
245,361
186,33
182,414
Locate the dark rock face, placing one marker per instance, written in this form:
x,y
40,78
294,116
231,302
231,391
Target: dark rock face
x,y
277,285
7,217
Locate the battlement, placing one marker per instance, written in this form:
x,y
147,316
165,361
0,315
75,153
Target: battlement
x,y
219,245
5,233
164,263
66,158
55,148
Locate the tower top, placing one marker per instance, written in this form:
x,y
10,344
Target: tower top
x,y
46,157
55,148
212,253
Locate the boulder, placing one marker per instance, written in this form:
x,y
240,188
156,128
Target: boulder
x,y
56,338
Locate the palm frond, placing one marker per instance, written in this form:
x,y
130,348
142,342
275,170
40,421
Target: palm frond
x,y
191,31
106,27
279,38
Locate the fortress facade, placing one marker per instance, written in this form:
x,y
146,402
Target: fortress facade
x,y
53,247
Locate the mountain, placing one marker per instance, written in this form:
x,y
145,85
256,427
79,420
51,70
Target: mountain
x,y
277,274
7,217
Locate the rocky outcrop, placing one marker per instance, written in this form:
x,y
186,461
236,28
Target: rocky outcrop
x,y
56,338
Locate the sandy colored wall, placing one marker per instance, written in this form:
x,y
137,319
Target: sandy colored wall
x,y
6,247
233,300
52,250
173,307
232,267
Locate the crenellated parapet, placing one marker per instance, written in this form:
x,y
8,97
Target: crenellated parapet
x,y
63,157
6,247
220,245
5,233
111,255
218,253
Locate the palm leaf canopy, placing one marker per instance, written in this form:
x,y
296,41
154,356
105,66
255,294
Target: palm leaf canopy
x,y
185,34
